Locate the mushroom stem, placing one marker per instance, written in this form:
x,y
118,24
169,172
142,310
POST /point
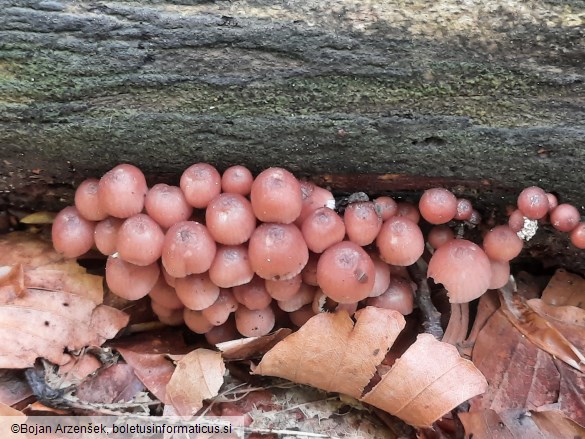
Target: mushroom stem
x,y
432,317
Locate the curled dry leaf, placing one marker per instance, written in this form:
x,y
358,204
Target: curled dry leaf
x,y
542,333
429,380
330,353
198,376
246,348
49,305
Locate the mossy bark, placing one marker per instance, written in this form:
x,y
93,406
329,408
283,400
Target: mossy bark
x,y
488,96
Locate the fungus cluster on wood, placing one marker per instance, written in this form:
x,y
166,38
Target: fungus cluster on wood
x,y
262,247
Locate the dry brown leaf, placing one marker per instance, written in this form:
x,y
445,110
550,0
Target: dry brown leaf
x,y
42,323
198,376
556,424
565,288
58,308
569,320
544,335
26,249
246,348
14,388
521,376
429,380
149,354
12,278
519,424
66,276
9,416
524,377
6,410
116,383
330,353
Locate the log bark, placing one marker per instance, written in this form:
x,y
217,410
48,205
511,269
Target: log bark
x,y
486,96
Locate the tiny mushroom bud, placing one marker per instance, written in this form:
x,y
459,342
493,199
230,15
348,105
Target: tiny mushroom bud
x,y
196,291
439,235
313,198
283,289
253,295
463,268
196,321
408,210
231,266
386,207
106,235
464,209
165,295
578,236
398,296
322,228
187,248
218,313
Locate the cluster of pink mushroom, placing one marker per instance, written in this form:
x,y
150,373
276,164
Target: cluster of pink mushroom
x,y
272,245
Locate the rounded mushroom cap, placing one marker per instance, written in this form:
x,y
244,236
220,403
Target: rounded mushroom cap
x,y
200,183
346,273
140,240
400,241
565,217
533,202
72,234
463,268
277,251
87,201
122,190
502,244
129,281
237,180
276,196
362,222
438,206
167,205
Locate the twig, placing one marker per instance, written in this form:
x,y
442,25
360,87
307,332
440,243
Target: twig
x,y
432,317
